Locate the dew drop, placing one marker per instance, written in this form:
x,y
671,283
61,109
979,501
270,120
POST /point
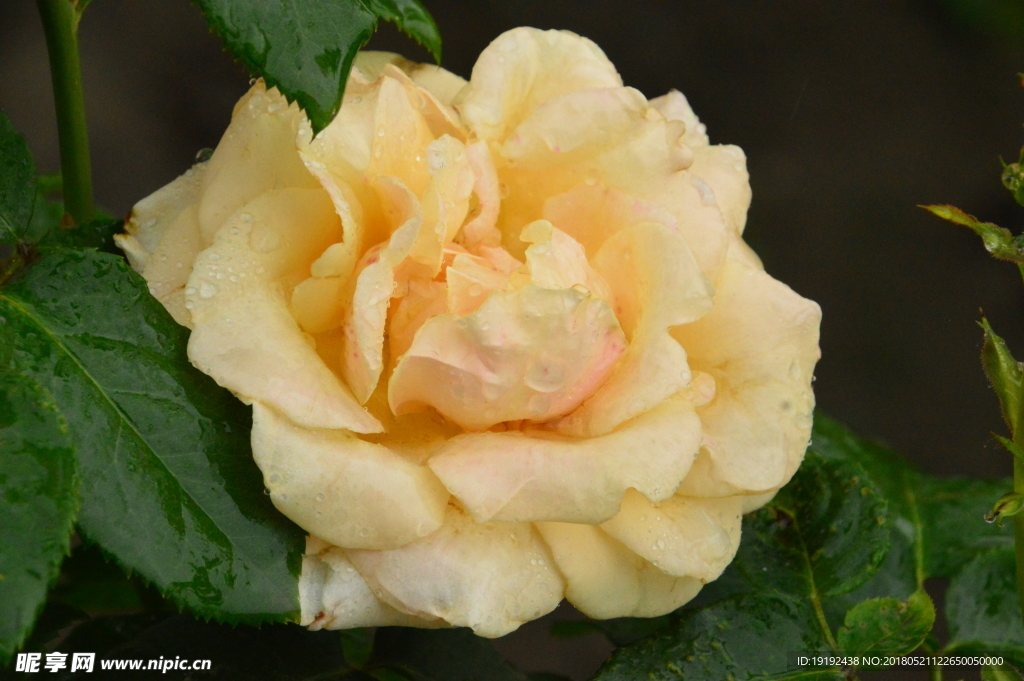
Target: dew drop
x,y
503,190
207,290
320,497
190,291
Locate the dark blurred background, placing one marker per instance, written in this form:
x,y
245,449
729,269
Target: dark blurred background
x,y
851,114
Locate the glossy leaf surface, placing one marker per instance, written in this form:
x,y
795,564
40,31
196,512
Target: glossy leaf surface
x,y
168,484
886,626
305,48
38,501
1004,373
745,637
983,610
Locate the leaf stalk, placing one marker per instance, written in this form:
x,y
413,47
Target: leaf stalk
x,y
60,24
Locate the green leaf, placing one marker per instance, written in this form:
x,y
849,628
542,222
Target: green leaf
x,y
37,503
825,534
745,637
98,234
886,626
1004,373
953,518
305,48
998,240
441,655
17,182
413,19
168,484
1010,504
1001,673
983,610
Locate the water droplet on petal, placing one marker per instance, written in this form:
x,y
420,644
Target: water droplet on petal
x,y
207,290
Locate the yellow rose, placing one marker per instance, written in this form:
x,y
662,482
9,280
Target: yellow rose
x,y
503,340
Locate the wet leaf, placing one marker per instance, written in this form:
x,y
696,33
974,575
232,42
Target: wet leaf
x,y
998,240
168,484
744,637
886,626
37,501
825,534
1005,375
305,48
983,610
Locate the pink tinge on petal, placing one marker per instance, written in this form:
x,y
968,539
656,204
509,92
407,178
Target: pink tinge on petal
x,y
529,354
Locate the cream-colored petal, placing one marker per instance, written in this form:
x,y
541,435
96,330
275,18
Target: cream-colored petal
x,y
524,68
441,83
317,304
675,107
440,117
575,126
482,228
531,354
591,212
332,595
445,202
350,492
537,475
682,536
604,579
402,135
640,155
724,168
162,239
491,577
656,284
760,343
556,260
470,281
426,299
257,154
376,283
241,317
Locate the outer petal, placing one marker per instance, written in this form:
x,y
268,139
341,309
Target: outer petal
x,y
527,354
675,107
401,139
723,167
683,537
537,475
760,343
332,595
656,284
604,579
522,69
256,154
350,492
163,239
241,316
492,577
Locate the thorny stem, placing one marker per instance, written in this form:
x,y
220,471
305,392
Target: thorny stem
x,y
60,23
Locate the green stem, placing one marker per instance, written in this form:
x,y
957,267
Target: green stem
x,y
60,23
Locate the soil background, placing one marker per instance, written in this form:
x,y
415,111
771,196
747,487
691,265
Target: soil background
x,y
851,114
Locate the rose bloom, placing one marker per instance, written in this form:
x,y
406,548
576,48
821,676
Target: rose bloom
x,y
503,340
